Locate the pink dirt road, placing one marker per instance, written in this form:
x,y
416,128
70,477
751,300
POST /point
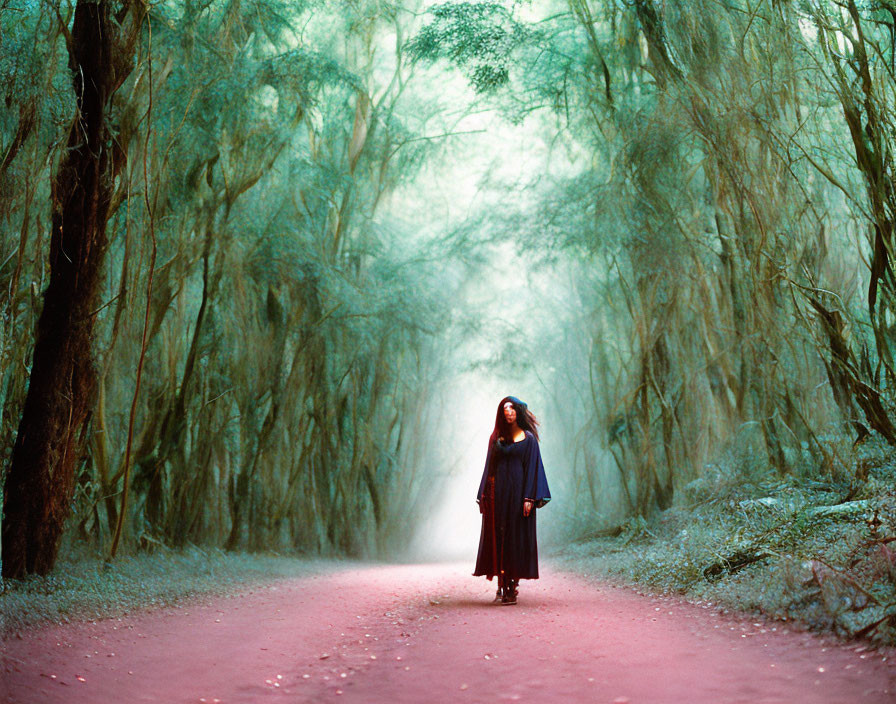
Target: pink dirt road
x,y
429,633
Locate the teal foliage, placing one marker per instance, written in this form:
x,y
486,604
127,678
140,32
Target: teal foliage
x,y
480,38
818,553
292,315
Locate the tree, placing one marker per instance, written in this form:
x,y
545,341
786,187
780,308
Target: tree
x,y
51,434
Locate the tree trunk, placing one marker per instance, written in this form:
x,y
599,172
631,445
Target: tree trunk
x,y
61,387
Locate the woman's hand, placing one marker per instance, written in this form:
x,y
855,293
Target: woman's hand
x,y
528,505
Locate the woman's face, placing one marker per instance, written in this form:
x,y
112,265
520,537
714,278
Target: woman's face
x,y
509,413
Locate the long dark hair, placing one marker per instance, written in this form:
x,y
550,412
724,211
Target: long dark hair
x,y
524,418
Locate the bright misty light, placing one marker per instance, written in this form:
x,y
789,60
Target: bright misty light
x,y
807,28
451,530
486,167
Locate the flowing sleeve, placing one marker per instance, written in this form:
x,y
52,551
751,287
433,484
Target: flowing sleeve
x,y
536,481
488,460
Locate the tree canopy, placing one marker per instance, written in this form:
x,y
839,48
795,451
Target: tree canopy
x,y
290,268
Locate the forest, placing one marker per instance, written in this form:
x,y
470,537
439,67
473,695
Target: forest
x,y
269,265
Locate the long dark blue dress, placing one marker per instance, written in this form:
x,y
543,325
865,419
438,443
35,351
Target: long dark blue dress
x,y
507,545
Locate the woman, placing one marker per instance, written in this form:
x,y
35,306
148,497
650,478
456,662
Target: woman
x,y
513,485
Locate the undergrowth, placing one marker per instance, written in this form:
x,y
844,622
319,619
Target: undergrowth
x,y
820,552
84,587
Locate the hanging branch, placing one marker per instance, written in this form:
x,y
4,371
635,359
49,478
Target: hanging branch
x,y
143,342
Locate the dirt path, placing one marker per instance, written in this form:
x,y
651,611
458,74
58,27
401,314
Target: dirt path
x,y
430,634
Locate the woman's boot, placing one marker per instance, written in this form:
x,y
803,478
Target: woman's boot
x,y
509,598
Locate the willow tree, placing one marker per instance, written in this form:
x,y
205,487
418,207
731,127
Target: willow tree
x,y
861,79
713,214
731,246
61,388
282,308
289,332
